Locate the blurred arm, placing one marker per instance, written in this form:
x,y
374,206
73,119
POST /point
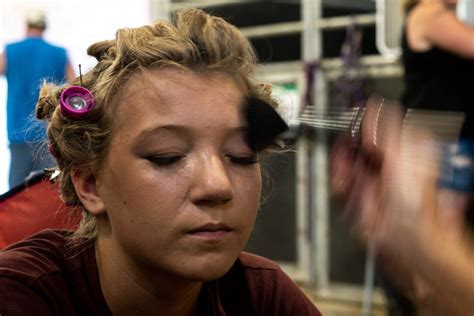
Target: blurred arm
x,y
70,75
447,265
2,64
440,27
391,187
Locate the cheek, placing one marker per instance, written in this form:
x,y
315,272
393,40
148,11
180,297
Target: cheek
x,y
249,189
255,191
135,198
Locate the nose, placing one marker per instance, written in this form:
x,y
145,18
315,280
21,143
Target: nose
x,y
212,184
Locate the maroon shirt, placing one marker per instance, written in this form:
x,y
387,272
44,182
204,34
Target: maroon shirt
x,y
48,274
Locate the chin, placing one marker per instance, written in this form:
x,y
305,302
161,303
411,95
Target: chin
x,y
211,267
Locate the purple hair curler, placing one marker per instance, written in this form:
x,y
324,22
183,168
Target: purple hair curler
x,y
76,101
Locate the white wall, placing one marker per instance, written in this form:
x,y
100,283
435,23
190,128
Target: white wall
x,y
465,11
72,24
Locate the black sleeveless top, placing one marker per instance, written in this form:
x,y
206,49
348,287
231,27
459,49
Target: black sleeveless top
x,y
439,80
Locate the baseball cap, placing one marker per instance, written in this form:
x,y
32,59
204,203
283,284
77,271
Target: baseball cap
x,y
36,18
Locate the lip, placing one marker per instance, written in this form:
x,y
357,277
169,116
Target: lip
x,y
211,231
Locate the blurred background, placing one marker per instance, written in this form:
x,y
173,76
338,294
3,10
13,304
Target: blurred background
x,y
337,51
71,26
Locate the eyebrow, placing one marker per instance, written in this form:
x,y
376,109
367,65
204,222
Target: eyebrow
x,y
156,129
178,129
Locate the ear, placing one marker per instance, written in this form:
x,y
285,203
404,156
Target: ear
x,y
85,184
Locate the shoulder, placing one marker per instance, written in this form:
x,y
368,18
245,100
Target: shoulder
x,y
265,274
31,270
254,262
30,259
13,45
427,9
418,23
426,13
53,47
272,289
18,299
58,48
47,274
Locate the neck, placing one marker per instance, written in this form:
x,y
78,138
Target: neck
x,y
130,288
34,32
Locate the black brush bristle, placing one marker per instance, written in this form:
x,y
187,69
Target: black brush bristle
x,y
264,124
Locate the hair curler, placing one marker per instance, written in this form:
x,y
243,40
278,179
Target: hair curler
x,y
76,101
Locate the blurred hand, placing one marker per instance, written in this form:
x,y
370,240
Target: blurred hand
x,y
388,177
389,180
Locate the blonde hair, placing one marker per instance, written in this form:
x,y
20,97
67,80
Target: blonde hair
x,y
193,40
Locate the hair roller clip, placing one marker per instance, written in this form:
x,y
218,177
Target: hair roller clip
x,y
76,101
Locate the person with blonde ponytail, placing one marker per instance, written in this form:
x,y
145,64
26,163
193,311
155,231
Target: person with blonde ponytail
x,y
153,148
438,61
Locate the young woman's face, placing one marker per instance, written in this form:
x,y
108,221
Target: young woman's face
x,y
180,186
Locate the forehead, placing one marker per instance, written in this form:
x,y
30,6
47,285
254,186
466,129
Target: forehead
x,y
170,96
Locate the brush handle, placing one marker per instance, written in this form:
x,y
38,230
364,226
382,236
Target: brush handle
x,y
456,155
444,125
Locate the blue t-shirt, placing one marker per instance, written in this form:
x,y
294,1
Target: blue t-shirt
x,y
28,63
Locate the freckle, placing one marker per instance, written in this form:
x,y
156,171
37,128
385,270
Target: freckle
x,y
125,203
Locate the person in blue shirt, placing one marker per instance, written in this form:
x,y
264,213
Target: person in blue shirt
x,y
26,64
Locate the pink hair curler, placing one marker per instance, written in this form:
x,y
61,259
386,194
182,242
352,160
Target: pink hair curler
x,y
76,102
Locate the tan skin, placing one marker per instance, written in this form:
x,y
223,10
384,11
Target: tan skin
x,y
37,32
178,160
394,201
433,23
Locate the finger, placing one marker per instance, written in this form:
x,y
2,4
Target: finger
x,y
387,129
419,172
342,160
362,199
368,130
380,137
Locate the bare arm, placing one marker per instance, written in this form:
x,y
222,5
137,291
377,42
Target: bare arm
x,y
447,264
391,186
439,27
70,75
2,64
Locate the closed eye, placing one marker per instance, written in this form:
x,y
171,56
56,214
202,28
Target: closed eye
x,y
165,160
243,160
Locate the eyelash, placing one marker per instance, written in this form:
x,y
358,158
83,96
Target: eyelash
x,y
164,161
243,160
